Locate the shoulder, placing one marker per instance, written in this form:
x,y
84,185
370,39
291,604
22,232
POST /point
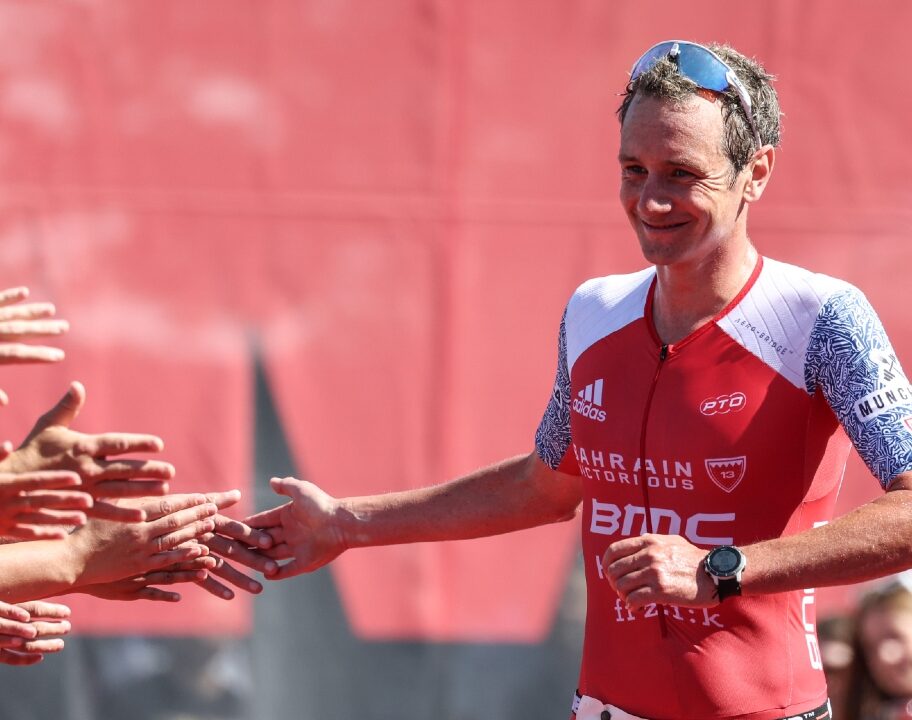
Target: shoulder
x,y
611,293
602,306
779,314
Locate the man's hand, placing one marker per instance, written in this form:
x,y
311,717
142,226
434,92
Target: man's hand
x,y
306,529
35,506
49,622
106,551
664,569
24,322
52,445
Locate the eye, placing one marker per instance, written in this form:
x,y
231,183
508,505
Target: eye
x,y
632,171
682,173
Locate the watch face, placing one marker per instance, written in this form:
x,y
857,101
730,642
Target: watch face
x,y
724,561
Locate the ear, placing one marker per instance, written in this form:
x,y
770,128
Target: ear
x,y
760,168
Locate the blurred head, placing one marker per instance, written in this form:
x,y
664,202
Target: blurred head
x,y
882,668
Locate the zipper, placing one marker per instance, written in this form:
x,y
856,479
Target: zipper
x,y
644,482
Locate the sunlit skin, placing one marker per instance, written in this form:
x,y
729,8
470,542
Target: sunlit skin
x,y
886,636
690,219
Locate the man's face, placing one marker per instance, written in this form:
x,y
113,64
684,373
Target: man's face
x,y
675,179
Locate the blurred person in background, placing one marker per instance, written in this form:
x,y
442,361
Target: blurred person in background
x,y
695,419
880,678
835,635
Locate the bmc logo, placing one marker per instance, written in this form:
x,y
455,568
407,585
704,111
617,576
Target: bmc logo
x,y
723,404
699,528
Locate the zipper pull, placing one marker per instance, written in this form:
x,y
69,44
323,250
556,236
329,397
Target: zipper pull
x,y
663,353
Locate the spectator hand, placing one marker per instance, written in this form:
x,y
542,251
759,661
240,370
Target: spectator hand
x,y
52,445
24,322
48,622
106,551
37,505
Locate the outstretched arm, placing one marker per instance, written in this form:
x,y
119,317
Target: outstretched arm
x,y
106,551
97,459
314,528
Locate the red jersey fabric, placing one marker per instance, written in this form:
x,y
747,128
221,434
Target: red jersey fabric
x,y
729,437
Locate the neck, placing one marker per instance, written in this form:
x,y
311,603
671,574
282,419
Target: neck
x,y
688,295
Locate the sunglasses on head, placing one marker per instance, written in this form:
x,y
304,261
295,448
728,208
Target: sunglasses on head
x,y
702,66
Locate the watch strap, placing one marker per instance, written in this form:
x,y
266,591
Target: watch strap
x,y
728,587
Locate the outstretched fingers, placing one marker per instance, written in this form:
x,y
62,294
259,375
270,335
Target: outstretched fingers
x,y
117,443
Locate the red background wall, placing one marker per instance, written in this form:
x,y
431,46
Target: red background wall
x,y
389,203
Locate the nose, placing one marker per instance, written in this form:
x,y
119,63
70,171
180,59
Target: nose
x,y
654,197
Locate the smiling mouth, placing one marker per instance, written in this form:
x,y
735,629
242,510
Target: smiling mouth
x,y
668,226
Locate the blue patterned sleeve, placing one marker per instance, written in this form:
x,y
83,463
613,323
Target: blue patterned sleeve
x,y
851,360
553,436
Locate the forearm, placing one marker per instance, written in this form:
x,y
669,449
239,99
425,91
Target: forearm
x,y
512,495
871,541
37,569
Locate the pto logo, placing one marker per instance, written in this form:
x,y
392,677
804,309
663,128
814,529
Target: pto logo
x,y
727,473
723,404
588,401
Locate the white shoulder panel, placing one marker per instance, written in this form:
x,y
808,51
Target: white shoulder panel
x,y
602,306
774,320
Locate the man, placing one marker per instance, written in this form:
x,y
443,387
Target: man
x,y
696,418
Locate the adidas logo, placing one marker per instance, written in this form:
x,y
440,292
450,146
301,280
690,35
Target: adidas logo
x,y
588,401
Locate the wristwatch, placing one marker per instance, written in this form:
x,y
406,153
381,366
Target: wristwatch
x,y
724,565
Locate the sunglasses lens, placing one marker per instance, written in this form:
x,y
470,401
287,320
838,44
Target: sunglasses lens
x,y
650,58
701,67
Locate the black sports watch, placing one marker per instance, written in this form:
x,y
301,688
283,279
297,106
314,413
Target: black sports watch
x,y
724,565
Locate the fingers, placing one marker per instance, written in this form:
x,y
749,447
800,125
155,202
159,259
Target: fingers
x,y
29,311
13,295
129,488
239,552
267,518
123,469
241,531
47,628
50,645
22,329
39,480
179,527
118,513
15,353
11,657
106,444
288,486
224,499
157,508
226,571
173,577
46,500
66,409
14,612
45,610
184,553
289,569
157,595
214,587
